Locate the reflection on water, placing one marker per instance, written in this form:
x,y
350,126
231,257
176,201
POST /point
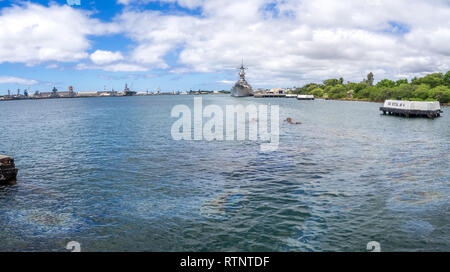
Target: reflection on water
x,y
42,223
417,227
222,205
419,197
413,201
105,172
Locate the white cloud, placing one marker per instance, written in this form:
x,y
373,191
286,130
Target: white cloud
x,y
104,57
116,67
52,66
17,80
291,41
32,33
227,82
191,4
124,67
156,34
284,42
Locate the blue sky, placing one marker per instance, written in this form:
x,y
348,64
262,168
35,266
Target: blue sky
x,y
197,44
85,80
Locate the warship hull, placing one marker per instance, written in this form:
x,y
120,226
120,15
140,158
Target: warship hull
x,y
241,91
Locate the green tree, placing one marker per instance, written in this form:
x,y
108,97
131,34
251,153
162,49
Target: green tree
x,y
433,86
307,88
317,92
433,80
422,92
311,87
331,82
401,81
380,94
404,91
364,93
337,92
370,79
446,79
386,83
356,87
441,93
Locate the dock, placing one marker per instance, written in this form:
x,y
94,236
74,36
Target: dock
x,y
412,108
279,95
269,95
8,170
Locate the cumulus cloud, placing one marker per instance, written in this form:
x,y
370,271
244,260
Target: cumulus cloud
x,y
290,41
191,4
17,80
284,42
32,33
105,57
226,82
116,67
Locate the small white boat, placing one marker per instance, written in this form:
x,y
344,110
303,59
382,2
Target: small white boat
x,y
305,97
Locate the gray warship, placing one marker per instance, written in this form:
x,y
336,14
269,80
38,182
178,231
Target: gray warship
x,y
242,88
128,92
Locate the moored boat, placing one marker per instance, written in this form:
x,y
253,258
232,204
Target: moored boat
x,y
305,97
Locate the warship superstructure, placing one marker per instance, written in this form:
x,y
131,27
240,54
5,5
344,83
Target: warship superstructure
x,y
128,92
242,88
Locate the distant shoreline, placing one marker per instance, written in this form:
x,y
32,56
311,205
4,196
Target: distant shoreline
x,y
350,99
95,96
103,96
366,100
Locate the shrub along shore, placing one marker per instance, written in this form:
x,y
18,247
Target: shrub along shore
x,y
432,87
371,101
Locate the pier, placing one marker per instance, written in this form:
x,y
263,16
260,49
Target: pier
x,y
270,95
8,170
282,95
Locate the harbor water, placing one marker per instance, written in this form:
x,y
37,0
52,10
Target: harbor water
x,y
105,172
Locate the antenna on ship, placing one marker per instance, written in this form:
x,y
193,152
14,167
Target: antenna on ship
x,y
242,68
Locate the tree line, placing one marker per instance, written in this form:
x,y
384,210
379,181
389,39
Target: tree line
x,y
432,87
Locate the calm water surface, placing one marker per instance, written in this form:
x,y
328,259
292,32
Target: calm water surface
x,y
105,172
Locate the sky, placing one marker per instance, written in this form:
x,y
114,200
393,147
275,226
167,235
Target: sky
x,y
198,44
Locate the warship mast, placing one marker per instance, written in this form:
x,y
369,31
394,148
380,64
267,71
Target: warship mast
x,y
242,72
